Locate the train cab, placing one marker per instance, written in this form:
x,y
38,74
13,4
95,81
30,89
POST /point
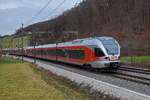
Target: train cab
x,y
108,51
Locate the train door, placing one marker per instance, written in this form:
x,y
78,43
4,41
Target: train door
x,y
66,54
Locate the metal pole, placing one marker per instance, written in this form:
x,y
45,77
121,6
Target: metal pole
x,y
56,51
1,49
22,49
18,49
34,55
22,44
34,48
77,35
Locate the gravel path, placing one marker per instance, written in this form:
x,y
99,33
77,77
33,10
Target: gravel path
x,y
144,89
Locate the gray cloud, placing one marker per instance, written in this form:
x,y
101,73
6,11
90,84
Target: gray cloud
x,y
9,4
13,12
9,1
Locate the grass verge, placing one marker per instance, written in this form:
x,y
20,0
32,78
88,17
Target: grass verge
x,y
6,60
19,82
143,61
136,59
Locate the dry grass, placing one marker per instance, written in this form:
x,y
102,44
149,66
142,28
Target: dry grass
x,y
19,82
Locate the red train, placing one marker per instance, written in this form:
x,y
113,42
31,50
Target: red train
x,y
98,52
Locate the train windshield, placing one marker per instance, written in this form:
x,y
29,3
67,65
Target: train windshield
x,y
111,46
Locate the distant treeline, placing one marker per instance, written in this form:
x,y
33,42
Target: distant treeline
x,y
126,20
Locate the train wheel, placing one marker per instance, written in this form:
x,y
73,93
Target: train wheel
x,y
89,67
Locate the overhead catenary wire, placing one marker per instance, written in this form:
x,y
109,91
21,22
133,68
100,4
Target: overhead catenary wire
x,y
39,12
51,12
44,7
59,5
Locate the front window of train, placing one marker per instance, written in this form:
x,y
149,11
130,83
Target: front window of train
x,y
111,46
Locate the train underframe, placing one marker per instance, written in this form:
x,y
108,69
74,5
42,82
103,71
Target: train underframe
x,y
113,65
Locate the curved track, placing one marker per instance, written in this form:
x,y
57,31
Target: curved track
x,y
118,74
136,70
133,78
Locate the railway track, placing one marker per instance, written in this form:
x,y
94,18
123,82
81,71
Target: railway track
x,y
133,74
117,74
136,70
132,78
127,76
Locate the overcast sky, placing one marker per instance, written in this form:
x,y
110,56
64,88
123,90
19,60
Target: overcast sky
x,y
15,12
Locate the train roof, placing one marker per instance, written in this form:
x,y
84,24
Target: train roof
x,y
104,38
70,43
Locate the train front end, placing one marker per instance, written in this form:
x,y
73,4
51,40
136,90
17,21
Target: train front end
x,y
108,52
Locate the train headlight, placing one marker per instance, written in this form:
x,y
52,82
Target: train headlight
x,y
106,58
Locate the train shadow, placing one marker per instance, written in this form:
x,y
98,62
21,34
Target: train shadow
x,y
83,68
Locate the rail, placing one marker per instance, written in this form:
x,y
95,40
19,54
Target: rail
x,y
136,70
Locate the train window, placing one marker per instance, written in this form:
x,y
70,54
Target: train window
x,y
29,51
39,52
99,52
45,52
32,51
66,52
51,52
60,53
42,52
35,51
77,54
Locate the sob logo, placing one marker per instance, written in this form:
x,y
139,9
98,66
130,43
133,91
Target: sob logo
x,y
114,57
